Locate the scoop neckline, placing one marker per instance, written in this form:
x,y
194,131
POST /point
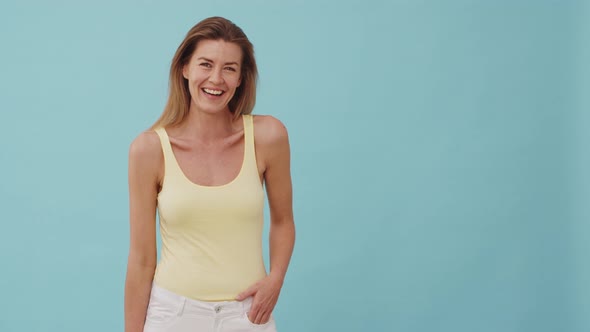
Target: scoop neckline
x,y
242,165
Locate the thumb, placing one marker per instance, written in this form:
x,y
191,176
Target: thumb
x,y
249,292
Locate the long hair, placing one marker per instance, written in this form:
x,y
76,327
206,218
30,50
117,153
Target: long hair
x,y
179,98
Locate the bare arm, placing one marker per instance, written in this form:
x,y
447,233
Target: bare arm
x,y
145,160
273,146
279,190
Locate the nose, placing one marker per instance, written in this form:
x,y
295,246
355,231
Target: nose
x,y
216,77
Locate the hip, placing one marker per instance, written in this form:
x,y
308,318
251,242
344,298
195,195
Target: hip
x,y
171,312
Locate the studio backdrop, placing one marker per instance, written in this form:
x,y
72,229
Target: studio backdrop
x,y
440,157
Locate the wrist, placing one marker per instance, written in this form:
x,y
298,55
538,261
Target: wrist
x,y
277,276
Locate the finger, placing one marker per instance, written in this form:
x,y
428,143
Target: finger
x,y
250,317
252,313
247,293
260,316
265,318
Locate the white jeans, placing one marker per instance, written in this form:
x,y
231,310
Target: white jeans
x,y
171,312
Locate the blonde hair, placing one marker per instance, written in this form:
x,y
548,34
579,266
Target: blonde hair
x,y
179,98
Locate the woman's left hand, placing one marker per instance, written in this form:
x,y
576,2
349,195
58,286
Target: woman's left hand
x,y
265,294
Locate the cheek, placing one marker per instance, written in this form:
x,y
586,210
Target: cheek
x,y
234,81
194,81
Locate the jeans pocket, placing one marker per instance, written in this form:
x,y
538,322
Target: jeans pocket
x,y
267,324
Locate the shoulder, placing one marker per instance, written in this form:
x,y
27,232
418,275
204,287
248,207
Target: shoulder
x,y
146,148
269,130
272,141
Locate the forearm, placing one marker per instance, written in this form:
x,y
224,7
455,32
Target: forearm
x,y
137,293
282,241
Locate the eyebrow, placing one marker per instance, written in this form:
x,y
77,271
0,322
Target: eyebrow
x,y
227,63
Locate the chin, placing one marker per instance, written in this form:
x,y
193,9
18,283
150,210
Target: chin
x,y
212,109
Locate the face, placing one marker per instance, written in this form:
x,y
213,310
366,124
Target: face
x,y
213,75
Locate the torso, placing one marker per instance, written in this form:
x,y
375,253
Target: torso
x,y
211,232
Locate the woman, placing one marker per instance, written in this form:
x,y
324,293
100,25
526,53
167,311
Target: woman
x,y
202,166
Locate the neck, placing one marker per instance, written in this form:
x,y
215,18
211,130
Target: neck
x,y
209,126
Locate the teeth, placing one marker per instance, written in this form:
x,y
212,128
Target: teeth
x,y
213,92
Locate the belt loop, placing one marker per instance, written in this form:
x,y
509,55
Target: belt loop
x,y
182,305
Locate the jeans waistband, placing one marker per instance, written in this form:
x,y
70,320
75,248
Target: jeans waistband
x,y
202,307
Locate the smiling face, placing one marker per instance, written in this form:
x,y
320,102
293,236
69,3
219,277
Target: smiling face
x,y
213,75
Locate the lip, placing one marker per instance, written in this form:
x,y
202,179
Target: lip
x,y
216,89
210,96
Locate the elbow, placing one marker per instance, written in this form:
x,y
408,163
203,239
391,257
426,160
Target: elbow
x,y
142,261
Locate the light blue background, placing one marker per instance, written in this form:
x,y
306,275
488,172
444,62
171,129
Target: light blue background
x,y
440,157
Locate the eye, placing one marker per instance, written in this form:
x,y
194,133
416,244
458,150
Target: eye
x,y
230,69
205,64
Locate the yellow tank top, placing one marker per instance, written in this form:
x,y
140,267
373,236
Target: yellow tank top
x,y
211,235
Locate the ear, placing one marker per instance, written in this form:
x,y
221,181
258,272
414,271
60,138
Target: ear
x,y
239,81
185,72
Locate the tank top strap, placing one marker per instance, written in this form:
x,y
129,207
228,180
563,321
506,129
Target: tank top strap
x,y
169,159
249,149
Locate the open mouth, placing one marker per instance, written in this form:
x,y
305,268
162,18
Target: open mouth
x,y
213,92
